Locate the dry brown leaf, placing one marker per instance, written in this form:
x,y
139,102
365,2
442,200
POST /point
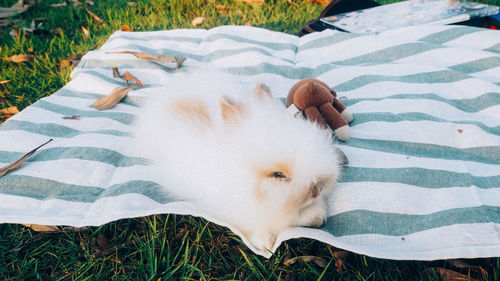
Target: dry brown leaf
x,y
95,17
317,260
102,241
322,2
462,264
42,228
73,117
198,20
51,228
132,4
460,131
20,58
4,82
10,12
64,64
449,275
253,2
125,28
75,229
146,56
126,76
14,165
340,260
14,33
30,50
86,32
56,30
10,110
112,99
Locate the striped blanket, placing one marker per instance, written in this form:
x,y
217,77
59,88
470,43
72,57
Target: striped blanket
x,y
423,180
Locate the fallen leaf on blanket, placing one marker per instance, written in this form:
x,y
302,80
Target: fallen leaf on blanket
x,y
73,117
146,56
42,228
340,260
18,163
86,32
126,76
71,60
112,99
95,17
125,28
460,131
317,260
20,58
449,275
198,20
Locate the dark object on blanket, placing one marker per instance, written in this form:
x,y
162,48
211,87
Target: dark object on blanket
x,y
336,7
320,104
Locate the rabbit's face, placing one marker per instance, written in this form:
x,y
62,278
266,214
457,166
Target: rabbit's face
x,y
292,165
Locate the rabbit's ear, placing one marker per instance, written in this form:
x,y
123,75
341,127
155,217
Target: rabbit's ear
x,y
231,110
193,111
262,92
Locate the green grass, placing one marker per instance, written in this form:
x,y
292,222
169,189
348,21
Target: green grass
x,y
161,246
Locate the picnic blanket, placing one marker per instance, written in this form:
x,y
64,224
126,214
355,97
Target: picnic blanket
x,y
423,181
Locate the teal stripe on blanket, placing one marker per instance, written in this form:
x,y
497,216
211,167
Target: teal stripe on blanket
x,y
271,45
468,105
45,189
477,65
165,37
369,222
360,118
420,177
125,118
55,130
485,154
441,76
102,155
389,54
328,41
449,34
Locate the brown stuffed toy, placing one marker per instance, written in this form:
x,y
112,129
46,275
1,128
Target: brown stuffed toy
x,y
319,103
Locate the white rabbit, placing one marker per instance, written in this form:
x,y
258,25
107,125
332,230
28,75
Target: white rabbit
x,y
242,158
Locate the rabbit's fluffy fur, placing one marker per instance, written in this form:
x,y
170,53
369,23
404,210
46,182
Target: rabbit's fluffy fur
x,y
240,156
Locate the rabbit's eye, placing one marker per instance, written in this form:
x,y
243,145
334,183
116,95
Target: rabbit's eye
x,y
278,175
